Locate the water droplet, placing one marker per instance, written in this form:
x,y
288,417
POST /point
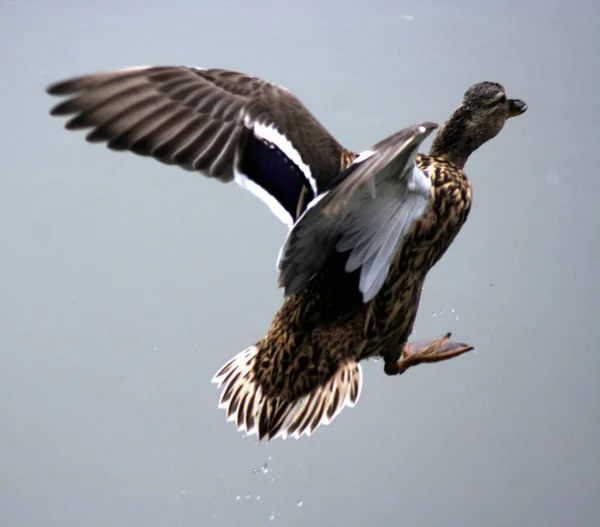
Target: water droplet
x,y
272,516
237,498
247,496
258,498
434,314
222,474
272,480
299,503
263,469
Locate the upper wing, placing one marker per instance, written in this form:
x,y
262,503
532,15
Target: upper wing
x,y
367,215
224,124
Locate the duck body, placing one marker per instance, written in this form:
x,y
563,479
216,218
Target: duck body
x,y
365,228
326,324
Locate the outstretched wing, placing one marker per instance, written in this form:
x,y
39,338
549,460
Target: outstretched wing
x,y
367,215
223,124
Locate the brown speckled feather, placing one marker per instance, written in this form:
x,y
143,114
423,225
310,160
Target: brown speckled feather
x,y
324,330
221,123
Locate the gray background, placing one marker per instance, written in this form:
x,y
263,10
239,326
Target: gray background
x,y
125,284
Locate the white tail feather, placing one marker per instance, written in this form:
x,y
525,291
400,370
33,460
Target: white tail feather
x,y
272,416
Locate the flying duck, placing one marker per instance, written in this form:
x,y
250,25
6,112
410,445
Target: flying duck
x,y
364,228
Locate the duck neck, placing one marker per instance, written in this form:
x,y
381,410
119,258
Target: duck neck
x,y
454,142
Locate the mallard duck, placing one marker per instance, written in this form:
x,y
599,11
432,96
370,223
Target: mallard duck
x,y
364,228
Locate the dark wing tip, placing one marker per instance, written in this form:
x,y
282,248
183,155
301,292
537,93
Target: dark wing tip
x,y
419,132
429,126
60,88
66,87
62,109
73,84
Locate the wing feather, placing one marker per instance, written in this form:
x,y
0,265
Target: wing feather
x,y
366,215
209,121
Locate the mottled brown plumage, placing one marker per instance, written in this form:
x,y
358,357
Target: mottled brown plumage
x,y
326,329
326,326
365,228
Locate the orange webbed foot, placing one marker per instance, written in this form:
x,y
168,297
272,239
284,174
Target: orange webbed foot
x,y
428,350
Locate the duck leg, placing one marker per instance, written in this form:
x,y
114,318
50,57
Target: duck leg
x,y
428,350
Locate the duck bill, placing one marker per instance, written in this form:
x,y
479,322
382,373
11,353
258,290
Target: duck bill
x,y
515,107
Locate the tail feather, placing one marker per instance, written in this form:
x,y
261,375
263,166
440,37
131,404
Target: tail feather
x,y
269,416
